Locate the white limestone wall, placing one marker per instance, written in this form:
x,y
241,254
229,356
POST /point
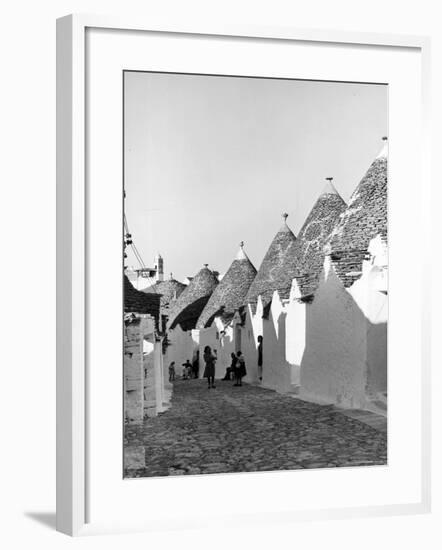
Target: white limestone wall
x,y
333,366
133,373
145,393
227,347
183,345
345,358
370,293
161,395
221,340
295,330
278,373
150,385
253,328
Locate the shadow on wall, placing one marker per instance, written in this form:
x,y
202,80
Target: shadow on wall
x,y
345,356
278,373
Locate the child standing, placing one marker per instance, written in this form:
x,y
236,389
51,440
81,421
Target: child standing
x,y
172,371
240,370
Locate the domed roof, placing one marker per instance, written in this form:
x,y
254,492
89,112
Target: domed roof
x,y
277,269
230,294
364,219
170,290
136,301
186,310
313,236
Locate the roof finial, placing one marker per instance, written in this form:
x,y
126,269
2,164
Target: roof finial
x,y
384,150
329,188
241,255
206,265
171,275
285,216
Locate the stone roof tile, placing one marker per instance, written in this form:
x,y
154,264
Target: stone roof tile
x,y
186,310
313,236
277,269
136,301
231,292
364,219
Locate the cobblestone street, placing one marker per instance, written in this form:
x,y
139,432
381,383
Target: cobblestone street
x,y
248,428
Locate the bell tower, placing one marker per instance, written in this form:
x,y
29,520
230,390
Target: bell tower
x,y
159,268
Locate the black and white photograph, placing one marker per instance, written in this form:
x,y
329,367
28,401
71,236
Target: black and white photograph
x,y
255,265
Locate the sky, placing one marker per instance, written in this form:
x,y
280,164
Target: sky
x,y
214,160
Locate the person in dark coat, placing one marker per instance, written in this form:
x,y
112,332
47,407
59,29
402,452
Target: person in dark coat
x,y
196,365
172,371
260,357
230,371
209,371
240,370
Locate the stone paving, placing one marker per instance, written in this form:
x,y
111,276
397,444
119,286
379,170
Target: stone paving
x,y
246,429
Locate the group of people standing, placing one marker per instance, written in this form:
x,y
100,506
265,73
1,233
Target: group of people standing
x,y
190,370
236,371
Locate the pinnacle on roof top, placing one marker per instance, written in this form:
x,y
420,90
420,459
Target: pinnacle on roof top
x,y
188,307
384,150
277,268
284,226
329,188
364,219
241,255
230,294
313,235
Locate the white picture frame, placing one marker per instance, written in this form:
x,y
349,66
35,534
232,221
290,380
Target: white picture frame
x,y
74,399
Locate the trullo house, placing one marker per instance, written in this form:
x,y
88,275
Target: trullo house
x,y
221,319
184,314
345,356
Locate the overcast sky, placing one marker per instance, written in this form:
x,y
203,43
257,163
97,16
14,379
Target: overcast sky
x,y
211,161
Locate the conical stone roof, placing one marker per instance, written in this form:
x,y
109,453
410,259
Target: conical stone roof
x,y
169,290
364,219
231,292
186,310
277,269
314,234
136,301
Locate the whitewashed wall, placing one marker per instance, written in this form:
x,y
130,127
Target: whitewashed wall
x,y
278,373
370,293
345,358
145,393
295,331
253,328
183,346
222,340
